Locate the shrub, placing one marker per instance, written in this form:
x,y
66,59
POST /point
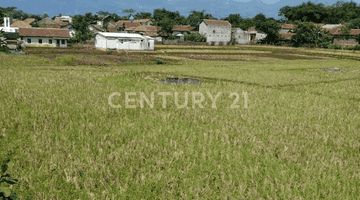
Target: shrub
x,y
67,59
195,37
6,183
334,46
325,44
110,52
159,62
356,47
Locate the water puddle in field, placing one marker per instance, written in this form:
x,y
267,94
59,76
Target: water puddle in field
x,y
180,81
332,70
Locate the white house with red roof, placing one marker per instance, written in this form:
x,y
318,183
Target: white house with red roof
x,y
216,31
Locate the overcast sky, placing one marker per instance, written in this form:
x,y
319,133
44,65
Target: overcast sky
x,y
218,8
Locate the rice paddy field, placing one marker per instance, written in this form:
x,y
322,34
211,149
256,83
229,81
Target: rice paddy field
x,y
265,123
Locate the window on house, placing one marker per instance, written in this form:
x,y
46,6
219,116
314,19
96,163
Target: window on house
x,y
40,41
213,31
50,41
29,41
62,41
148,44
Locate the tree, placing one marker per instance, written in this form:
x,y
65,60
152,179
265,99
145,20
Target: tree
x,y
271,29
307,33
160,14
234,19
196,17
142,15
3,47
128,11
81,25
166,25
260,17
45,15
309,12
246,23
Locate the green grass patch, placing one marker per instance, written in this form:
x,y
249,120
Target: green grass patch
x,y
295,135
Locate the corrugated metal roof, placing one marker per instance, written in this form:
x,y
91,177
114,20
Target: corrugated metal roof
x,y
126,35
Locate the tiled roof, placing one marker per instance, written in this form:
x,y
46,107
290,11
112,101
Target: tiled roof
x,y
45,32
336,30
216,22
61,23
29,20
128,24
111,29
286,36
46,20
141,20
183,28
319,25
140,28
20,24
354,31
288,26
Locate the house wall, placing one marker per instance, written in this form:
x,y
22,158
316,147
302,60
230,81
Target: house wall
x,y
240,36
45,41
222,33
203,29
116,43
344,42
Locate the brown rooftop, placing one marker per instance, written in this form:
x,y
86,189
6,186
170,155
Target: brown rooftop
x,y
216,22
128,24
288,26
29,20
44,32
20,24
183,28
286,36
141,20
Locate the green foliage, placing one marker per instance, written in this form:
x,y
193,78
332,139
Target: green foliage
x,y
109,52
6,182
143,15
195,37
307,33
334,46
311,12
195,18
67,59
271,29
3,47
159,62
234,19
80,24
166,25
356,47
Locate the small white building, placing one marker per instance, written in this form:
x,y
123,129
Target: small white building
x,y
126,41
215,31
6,28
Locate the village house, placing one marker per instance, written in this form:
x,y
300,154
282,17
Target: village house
x,y
339,36
181,31
255,35
136,27
240,36
216,32
126,41
144,22
44,36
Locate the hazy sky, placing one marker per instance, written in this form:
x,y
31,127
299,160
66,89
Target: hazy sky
x,y
218,8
